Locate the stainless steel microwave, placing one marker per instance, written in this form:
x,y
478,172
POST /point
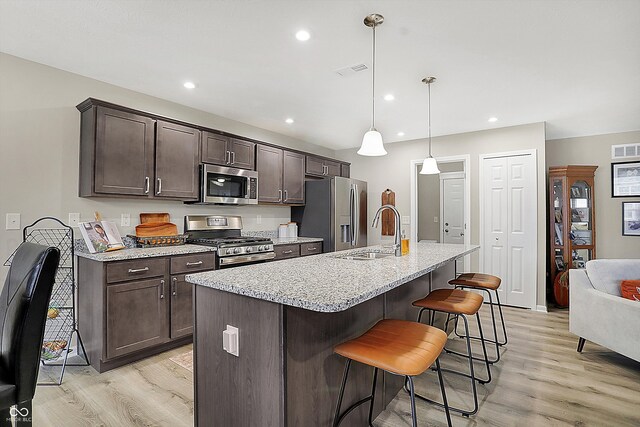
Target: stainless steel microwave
x,y
228,186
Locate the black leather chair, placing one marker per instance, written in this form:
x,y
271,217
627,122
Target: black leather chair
x,y
23,310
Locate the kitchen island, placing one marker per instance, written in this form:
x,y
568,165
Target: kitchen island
x,y
290,315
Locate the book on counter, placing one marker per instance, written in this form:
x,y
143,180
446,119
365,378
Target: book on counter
x,y
101,236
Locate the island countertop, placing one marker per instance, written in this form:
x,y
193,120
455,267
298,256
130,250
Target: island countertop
x,y
326,283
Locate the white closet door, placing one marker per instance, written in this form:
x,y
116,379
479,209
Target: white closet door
x,y
452,210
510,240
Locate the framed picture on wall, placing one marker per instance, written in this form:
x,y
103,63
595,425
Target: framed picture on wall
x,y
631,218
625,179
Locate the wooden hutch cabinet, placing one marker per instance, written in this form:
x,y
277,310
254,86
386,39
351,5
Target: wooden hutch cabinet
x,y
572,219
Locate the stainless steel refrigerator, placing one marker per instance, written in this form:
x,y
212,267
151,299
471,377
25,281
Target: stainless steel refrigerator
x,y
336,210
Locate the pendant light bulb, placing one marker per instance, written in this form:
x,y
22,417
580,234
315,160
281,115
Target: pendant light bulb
x,y
372,144
429,165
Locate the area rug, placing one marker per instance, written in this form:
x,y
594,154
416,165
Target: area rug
x,y
185,360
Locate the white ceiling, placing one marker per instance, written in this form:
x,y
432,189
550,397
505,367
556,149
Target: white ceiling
x,y
573,64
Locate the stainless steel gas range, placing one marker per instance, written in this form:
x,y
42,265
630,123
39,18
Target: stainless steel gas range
x,y
225,234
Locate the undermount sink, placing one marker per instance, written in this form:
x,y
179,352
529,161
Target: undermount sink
x,y
364,256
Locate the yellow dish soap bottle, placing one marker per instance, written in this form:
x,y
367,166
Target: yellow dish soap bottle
x,y
404,243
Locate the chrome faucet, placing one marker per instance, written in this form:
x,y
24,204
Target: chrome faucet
x,y
397,242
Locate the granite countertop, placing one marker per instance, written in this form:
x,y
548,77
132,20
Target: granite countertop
x,y
136,253
326,283
292,240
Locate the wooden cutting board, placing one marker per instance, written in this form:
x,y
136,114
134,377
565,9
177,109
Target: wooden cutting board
x,y
156,229
154,217
388,218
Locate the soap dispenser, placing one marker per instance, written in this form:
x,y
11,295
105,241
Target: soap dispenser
x,y
404,243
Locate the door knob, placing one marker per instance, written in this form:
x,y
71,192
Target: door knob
x,y
446,223
496,238
446,231
462,234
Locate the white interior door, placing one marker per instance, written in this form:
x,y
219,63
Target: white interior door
x,y
452,205
510,228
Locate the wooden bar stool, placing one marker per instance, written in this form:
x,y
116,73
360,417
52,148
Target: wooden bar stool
x,y
485,283
399,347
459,303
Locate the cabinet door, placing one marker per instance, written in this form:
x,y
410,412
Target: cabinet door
x,y
181,307
124,153
243,154
177,160
269,167
314,166
293,177
332,168
215,148
137,316
345,171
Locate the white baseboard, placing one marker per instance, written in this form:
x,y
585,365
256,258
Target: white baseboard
x,y
541,308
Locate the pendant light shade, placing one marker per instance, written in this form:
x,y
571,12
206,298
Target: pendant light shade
x,y
372,144
430,165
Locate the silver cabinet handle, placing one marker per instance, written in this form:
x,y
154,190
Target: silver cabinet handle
x,y
138,270
175,286
232,157
312,249
286,195
325,169
162,290
287,252
159,186
191,264
279,195
146,185
227,157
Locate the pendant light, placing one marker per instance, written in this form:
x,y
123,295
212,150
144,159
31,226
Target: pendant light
x,y
429,166
372,141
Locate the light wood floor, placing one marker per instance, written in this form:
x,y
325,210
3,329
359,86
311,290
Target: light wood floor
x,y
540,381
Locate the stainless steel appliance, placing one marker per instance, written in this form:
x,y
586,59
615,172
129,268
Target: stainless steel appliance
x,y
228,186
336,210
225,234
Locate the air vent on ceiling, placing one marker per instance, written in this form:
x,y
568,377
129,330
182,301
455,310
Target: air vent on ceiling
x,y
347,71
625,151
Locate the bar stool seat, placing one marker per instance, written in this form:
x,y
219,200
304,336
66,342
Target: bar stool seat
x,y
451,301
399,347
477,280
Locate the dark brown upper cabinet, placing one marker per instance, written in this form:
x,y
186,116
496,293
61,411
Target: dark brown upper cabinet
x,y
177,160
317,166
226,151
345,170
280,176
116,153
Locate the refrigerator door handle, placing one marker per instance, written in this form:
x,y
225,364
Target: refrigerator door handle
x,y
356,215
351,214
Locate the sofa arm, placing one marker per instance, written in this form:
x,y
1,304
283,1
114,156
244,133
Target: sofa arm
x,y
604,319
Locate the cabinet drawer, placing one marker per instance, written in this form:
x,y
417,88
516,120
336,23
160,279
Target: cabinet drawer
x,y
310,248
192,263
287,251
136,269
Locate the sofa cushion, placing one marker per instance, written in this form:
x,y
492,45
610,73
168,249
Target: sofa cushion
x,y
630,289
606,274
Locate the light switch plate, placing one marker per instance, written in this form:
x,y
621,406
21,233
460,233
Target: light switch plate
x,y
125,220
435,219
406,220
13,221
74,219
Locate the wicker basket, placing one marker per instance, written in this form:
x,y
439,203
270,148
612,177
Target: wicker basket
x,y
157,241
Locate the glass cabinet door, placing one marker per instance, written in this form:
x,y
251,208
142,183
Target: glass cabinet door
x,y
581,220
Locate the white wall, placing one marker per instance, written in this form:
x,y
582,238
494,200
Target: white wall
x,y
393,171
39,148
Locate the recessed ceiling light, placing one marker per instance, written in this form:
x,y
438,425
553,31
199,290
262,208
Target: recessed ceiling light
x,y
389,97
189,85
289,120
493,119
400,133
303,35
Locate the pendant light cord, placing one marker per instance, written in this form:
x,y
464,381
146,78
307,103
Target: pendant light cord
x,y
429,116
373,83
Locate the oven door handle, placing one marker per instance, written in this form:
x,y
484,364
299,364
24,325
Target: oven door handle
x,y
243,259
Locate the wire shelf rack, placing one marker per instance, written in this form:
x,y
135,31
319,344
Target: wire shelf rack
x,y
60,326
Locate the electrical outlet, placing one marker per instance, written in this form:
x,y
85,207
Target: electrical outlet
x,y
125,220
406,220
74,219
258,219
13,221
231,340
435,219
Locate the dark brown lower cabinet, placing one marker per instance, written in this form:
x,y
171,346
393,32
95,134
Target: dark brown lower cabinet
x,y
137,316
295,250
181,307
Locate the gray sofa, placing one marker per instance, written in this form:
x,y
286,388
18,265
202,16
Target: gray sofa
x,y
598,313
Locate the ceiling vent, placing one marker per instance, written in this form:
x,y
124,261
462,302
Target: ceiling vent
x,y
625,151
348,71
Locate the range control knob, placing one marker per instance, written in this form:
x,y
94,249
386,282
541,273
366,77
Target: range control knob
x,y
248,250
261,248
236,251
